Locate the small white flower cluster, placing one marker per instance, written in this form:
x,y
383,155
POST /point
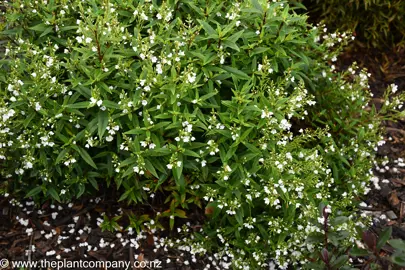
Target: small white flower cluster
x,y
212,147
91,141
174,163
112,129
139,168
70,161
224,174
99,102
185,134
265,66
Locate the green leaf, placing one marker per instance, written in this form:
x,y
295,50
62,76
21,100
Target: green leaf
x,y
210,31
160,125
81,191
149,166
358,252
237,72
384,236
259,50
397,244
93,182
111,105
125,195
191,153
28,119
230,44
235,36
398,258
83,153
47,31
157,152
79,105
339,220
339,262
34,191
54,194
180,213
257,5
135,131
239,216
39,27
102,123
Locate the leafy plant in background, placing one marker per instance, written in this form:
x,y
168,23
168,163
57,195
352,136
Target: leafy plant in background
x,y
335,253
228,106
398,257
375,22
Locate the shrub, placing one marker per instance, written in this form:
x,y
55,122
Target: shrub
x,y
375,22
230,106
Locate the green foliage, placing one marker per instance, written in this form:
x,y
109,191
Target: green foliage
x,y
226,105
338,253
110,224
375,22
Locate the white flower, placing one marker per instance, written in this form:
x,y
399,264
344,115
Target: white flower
x,y
144,144
33,74
394,88
109,138
136,169
50,253
79,39
159,69
266,114
28,165
284,124
88,40
152,146
222,60
191,77
169,166
37,106
144,102
99,102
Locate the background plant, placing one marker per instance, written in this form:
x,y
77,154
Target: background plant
x,y
234,107
375,22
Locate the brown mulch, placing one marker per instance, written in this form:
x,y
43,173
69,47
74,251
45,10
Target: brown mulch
x,y
74,234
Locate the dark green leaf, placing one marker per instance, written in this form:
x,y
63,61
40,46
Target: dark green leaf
x,y
102,123
54,194
384,236
83,153
34,191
